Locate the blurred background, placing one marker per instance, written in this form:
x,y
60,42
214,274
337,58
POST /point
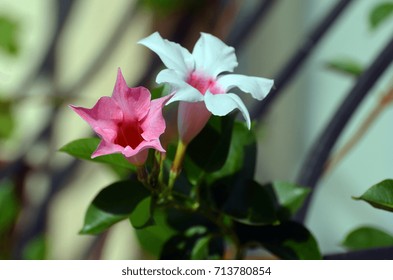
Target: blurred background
x,y
56,53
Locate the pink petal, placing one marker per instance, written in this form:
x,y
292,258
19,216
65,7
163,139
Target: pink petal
x,y
138,155
139,158
192,118
103,117
134,102
106,148
119,119
154,123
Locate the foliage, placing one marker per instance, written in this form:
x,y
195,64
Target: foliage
x,y
7,122
346,66
83,148
214,203
380,13
380,195
8,35
8,206
366,238
35,249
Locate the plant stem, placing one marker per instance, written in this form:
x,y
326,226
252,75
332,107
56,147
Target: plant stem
x,y
161,169
177,163
141,173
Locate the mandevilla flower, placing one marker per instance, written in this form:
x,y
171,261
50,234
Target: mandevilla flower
x,y
128,122
198,83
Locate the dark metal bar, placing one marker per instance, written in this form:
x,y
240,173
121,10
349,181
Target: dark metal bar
x,y
291,68
369,254
314,164
239,35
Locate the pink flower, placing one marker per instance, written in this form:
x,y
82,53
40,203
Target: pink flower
x,y
128,122
200,83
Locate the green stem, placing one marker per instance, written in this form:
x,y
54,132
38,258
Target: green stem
x,y
141,173
161,170
177,163
143,177
168,199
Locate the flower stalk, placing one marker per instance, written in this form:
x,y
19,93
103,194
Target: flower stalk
x,y
177,163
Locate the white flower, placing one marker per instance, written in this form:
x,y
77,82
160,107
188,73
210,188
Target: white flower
x,y
198,77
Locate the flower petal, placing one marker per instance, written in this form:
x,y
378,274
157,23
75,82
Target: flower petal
x,y
134,102
153,144
138,158
172,54
212,56
192,118
222,104
103,117
171,77
106,148
256,86
183,91
154,123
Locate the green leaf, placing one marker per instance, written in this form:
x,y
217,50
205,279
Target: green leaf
x,y
367,238
168,7
84,148
35,249
163,6
153,238
290,196
175,234
209,150
346,66
142,216
161,90
113,204
207,248
195,243
289,240
242,139
9,206
201,249
237,194
178,247
248,203
181,220
8,36
380,195
7,121
380,13
241,159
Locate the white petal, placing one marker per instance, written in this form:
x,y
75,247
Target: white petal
x,y
183,91
222,104
256,86
186,93
171,77
172,54
212,56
